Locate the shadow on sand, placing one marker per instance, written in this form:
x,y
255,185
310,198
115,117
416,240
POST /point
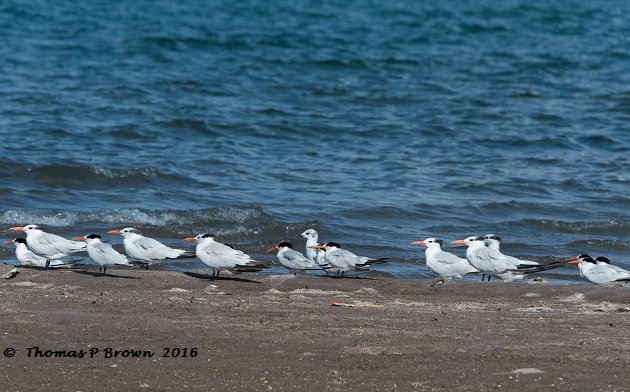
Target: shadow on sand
x,y
210,277
349,277
98,275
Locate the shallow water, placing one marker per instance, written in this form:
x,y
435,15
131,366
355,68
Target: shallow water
x,y
376,124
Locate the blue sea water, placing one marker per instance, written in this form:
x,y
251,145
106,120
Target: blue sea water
x,y
377,123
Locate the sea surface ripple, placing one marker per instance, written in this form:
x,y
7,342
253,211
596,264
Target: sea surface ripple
x,y
377,123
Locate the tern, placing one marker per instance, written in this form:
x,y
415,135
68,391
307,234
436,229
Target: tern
x,y
216,255
50,246
599,271
29,259
493,241
492,262
345,260
293,260
320,260
317,255
443,263
148,250
101,253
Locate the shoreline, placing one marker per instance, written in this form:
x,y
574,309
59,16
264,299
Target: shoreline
x,y
412,270
280,332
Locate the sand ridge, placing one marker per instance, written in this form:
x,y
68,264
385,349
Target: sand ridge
x,y
262,332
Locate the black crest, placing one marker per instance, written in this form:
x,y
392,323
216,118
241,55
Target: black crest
x,y
603,259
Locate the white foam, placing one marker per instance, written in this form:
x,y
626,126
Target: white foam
x,y
134,216
148,172
49,218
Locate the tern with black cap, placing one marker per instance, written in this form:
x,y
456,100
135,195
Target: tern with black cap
x,y
148,250
345,260
599,271
50,246
29,259
494,263
443,263
293,260
216,255
101,253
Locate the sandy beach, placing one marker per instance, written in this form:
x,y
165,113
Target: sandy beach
x,y
280,333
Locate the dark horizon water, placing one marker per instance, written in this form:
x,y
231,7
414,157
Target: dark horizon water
x,y
376,124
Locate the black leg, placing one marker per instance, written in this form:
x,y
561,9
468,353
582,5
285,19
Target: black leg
x,y
218,272
489,276
47,264
483,277
100,269
104,269
146,268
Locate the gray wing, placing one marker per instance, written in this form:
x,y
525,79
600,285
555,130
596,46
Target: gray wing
x,y
293,259
449,258
610,272
342,258
487,259
151,249
104,254
448,264
514,262
60,244
30,258
231,257
618,270
148,243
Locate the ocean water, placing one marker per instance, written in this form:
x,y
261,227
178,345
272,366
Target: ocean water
x,y
376,123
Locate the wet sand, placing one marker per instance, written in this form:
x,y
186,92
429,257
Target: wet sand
x,y
279,333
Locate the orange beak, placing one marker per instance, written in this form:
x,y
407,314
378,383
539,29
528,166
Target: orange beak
x,y
189,239
8,242
274,249
114,232
316,247
573,260
79,238
18,228
418,243
459,242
